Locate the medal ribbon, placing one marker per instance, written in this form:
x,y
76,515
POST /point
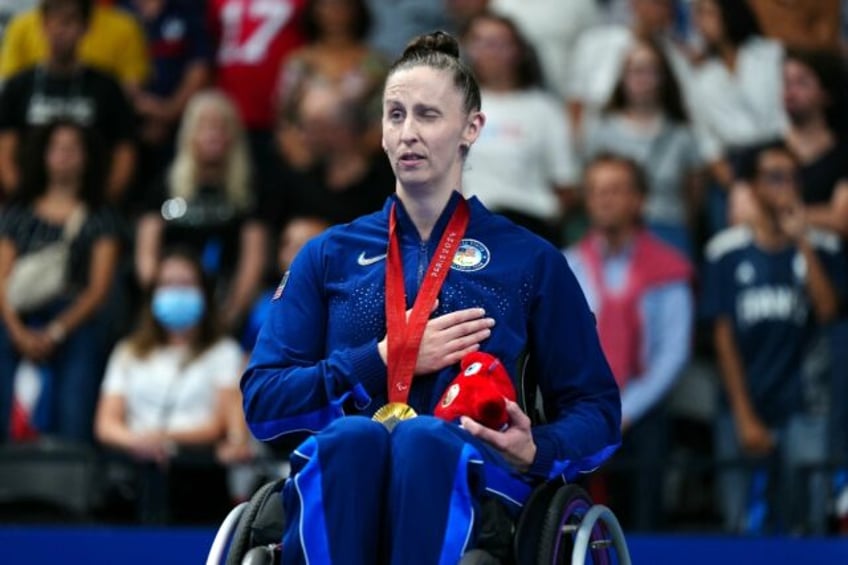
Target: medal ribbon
x,y
404,336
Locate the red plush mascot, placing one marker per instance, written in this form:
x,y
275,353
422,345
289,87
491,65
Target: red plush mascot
x,y
479,392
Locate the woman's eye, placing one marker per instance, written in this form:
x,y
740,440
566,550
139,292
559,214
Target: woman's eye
x,y
395,115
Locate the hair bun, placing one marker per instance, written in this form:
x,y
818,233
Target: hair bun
x,y
433,42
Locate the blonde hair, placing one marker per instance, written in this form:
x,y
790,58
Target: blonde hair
x,y
182,176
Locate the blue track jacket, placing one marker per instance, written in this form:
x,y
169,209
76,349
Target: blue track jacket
x,y
316,357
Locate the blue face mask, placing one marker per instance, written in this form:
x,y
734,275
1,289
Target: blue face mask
x,y
178,308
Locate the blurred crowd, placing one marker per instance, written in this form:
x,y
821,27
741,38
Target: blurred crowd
x,y
162,161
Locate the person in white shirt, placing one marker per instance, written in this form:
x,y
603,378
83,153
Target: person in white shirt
x,y
523,165
171,388
646,120
552,26
736,92
738,88
600,53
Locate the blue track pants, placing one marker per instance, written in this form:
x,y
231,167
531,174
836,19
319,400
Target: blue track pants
x,y
361,495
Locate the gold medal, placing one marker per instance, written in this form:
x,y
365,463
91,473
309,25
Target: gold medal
x,y
392,413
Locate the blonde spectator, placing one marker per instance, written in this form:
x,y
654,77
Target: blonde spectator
x,y
207,202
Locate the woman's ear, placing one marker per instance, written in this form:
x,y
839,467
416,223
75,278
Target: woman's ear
x,y
475,123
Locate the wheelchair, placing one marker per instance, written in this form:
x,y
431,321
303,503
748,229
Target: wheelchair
x,y
558,525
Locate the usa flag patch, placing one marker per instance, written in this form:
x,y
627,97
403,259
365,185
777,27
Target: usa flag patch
x,y
279,292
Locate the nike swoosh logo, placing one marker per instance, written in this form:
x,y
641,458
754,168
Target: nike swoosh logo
x,y
365,261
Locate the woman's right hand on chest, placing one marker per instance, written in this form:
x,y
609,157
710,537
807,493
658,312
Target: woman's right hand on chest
x,y
447,339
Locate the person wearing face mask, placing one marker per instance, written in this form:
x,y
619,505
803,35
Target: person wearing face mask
x,y
171,391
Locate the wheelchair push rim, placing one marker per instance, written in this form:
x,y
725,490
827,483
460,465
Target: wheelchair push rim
x,y
565,515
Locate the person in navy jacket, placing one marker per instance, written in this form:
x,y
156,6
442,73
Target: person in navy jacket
x,y
334,349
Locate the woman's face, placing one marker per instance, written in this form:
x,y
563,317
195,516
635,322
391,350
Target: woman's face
x,y
708,21
177,272
803,95
334,16
642,76
212,136
424,126
492,50
65,157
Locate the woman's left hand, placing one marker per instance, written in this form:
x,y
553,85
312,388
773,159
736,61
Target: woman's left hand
x,y
515,443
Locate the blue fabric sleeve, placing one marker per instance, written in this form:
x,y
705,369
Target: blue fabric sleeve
x,y
291,383
667,314
580,396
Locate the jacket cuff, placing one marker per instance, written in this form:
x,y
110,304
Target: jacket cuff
x,y
368,369
545,455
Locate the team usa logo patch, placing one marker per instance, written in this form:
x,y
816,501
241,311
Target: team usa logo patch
x,y
471,256
280,287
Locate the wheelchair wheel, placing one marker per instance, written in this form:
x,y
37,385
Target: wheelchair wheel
x,y
563,518
243,538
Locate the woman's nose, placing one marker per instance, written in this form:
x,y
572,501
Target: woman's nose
x,y
409,130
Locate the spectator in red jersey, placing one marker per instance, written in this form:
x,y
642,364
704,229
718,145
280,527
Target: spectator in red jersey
x,y
253,38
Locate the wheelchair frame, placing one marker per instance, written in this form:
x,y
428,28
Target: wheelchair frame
x,y
572,529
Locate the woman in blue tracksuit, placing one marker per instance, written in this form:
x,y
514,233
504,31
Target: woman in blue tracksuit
x,y
337,347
